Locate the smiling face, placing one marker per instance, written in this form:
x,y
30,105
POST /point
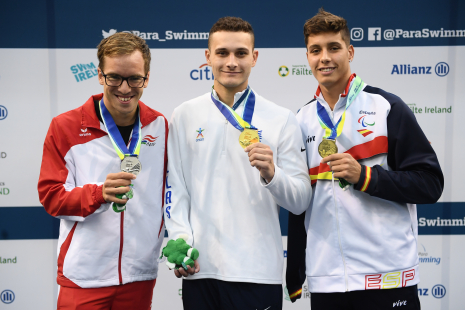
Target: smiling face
x,y
122,101
328,56
231,56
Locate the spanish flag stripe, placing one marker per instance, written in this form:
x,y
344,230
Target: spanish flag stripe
x,y
296,293
367,179
378,145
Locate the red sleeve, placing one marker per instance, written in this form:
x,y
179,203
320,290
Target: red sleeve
x,y
58,200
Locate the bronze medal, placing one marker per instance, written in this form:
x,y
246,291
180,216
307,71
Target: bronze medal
x,y
327,147
248,136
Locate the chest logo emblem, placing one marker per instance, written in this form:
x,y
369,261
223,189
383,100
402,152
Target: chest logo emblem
x,y
149,140
364,122
199,135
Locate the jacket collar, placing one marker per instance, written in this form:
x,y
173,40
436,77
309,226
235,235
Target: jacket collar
x,y
90,119
346,90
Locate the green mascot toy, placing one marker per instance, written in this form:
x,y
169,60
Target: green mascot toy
x,y
117,207
179,254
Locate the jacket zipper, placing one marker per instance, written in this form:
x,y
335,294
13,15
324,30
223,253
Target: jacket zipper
x,y
224,135
121,248
338,229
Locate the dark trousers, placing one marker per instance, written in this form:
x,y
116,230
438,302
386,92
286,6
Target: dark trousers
x,y
206,294
405,298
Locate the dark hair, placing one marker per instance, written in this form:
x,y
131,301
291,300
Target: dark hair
x,y
326,22
232,24
123,43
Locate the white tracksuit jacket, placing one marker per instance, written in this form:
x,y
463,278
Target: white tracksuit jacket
x,y
366,236
215,197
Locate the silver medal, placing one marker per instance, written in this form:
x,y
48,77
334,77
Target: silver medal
x,y
131,164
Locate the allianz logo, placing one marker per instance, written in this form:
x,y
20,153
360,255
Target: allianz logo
x,y
441,69
169,35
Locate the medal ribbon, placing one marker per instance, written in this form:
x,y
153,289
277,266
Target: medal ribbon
x,y
333,131
115,136
239,122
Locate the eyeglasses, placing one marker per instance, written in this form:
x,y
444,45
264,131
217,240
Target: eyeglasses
x,y
115,80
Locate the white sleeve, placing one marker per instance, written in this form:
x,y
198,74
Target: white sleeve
x,y
290,186
177,198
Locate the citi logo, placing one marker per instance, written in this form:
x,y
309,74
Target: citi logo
x,y
3,112
399,303
441,69
149,140
84,133
7,296
84,72
200,74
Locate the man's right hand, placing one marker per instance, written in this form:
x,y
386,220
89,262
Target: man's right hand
x,y
190,271
112,186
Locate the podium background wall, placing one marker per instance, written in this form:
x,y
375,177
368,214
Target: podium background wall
x,y
48,66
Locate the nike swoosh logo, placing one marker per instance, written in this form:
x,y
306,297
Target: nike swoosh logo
x,y
268,308
301,149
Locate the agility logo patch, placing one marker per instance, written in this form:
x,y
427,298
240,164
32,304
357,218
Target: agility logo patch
x,y
199,135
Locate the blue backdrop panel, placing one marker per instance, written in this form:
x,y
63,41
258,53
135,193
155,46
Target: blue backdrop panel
x,y
64,24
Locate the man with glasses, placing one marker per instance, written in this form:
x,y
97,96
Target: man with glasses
x,y
102,174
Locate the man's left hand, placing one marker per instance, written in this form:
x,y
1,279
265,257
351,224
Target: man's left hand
x,y
261,157
344,166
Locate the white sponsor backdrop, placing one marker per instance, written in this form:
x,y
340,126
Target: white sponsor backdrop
x,y
32,277
38,84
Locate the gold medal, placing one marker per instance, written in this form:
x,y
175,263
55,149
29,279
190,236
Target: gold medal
x,y
327,147
248,136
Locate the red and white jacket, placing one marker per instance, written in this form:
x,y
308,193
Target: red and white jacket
x,y
98,247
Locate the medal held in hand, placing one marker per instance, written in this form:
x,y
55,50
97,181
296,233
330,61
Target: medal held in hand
x,y
248,137
129,155
131,164
249,134
328,145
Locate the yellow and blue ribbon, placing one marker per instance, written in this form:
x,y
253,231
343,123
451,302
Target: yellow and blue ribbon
x,y
239,122
333,131
115,136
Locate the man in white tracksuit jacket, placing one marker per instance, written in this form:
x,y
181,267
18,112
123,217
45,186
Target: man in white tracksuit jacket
x,y
216,199
360,238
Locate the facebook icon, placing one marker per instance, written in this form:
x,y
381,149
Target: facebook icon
x,y
374,34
